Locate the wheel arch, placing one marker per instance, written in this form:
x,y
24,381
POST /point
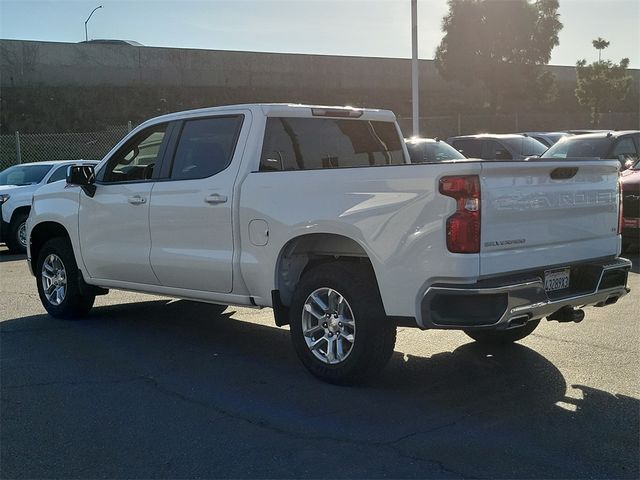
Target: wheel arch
x,y
25,209
304,252
44,231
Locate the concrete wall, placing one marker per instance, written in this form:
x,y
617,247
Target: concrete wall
x,y
97,83
62,64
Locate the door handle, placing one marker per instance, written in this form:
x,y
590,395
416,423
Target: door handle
x,y
137,200
215,198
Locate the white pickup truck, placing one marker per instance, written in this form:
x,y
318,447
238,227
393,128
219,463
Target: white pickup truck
x,y
317,213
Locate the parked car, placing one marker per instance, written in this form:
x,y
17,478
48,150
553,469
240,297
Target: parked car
x,y
546,138
318,213
429,150
584,131
630,182
622,146
113,41
497,147
17,185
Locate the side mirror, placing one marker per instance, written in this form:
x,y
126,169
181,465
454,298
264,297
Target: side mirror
x,y
83,176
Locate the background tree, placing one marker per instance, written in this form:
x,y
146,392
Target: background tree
x,y
499,43
600,44
602,85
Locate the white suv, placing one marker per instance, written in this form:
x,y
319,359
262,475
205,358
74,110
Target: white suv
x,y
17,185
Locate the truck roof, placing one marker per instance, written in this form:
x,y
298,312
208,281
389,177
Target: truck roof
x,y
284,109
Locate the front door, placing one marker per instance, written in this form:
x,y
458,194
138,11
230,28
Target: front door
x,y
190,215
114,223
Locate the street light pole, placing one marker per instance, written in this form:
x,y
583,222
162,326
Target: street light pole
x,y
86,35
414,67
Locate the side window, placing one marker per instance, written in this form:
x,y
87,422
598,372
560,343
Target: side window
x,y
205,147
318,143
470,148
136,160
492,150
624,150
59,174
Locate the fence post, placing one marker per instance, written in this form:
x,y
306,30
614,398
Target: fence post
x,y
18,152
459,125
129,126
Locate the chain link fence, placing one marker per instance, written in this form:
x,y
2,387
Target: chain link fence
x,y
38,147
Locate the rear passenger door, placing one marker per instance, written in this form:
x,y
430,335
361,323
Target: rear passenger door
x,y
191,210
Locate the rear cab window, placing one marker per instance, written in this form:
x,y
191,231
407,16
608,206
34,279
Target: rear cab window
x,y
292,143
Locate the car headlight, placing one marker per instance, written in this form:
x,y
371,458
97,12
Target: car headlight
x,y
4,197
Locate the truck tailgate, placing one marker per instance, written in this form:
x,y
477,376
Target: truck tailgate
x,y
545,213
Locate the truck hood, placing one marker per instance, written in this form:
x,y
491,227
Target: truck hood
x,y
13,188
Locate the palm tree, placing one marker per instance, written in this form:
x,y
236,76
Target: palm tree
x,y
600,44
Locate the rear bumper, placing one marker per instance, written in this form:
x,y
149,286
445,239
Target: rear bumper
x,y
510,301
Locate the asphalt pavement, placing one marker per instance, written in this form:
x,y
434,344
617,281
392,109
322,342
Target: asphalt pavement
x,y
149,387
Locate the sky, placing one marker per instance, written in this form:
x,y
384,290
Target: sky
x,y
375,28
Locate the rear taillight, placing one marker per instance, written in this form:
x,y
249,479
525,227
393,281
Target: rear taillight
x,y
463,227
620,212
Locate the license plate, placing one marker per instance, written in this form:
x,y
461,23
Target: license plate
x,y
556,279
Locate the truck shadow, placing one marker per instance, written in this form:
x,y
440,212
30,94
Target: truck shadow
x,y
159,376
6,256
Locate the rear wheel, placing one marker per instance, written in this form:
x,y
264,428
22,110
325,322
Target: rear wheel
x,y
17,239
497,337
58,282
338,325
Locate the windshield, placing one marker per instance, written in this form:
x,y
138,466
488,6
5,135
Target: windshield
x,y
525,146
24,174
579,147
429,152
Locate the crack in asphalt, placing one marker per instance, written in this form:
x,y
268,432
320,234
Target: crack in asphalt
x,y
264,424
585,344
75,383
30,330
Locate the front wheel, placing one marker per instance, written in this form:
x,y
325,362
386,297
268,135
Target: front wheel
x,y
497,337
17,239
338,325
58,281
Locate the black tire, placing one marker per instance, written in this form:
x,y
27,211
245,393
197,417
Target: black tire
x,y
501,337
13,239
75,304
375,334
